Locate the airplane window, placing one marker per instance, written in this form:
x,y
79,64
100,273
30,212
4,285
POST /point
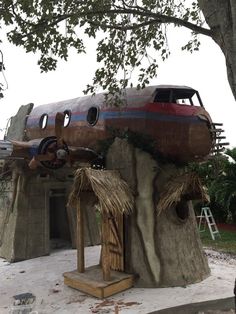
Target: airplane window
x,y
183,101
43,121
195,100
92,116
181,96
163,96
67,118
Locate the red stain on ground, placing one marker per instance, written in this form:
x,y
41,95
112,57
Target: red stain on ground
x,y
111,303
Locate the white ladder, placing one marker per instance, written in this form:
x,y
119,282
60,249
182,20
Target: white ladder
x,y
207,217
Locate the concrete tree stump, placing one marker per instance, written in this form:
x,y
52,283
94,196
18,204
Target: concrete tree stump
x,y
164,249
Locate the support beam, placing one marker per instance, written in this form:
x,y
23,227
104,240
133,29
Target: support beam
x,y
105,248
80,238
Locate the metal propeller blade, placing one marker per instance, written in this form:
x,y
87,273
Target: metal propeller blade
x,y
20,145
33,164
81,153
35,161
59,123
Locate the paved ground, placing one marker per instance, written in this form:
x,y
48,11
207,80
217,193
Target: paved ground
x,y
208,307
43,278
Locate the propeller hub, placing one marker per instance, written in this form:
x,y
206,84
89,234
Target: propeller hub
x,y
61,154
49,146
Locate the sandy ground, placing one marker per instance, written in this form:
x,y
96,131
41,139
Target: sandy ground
x,y
43,278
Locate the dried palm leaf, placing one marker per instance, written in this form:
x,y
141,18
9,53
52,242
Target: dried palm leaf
x,y
112,191
187,186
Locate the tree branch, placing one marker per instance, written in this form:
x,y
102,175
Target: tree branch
x,y
122,27
161,19
156,18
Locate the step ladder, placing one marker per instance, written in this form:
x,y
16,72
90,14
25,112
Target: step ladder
x,y
206,217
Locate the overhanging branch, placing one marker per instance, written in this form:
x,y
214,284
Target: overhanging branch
x,y
152,19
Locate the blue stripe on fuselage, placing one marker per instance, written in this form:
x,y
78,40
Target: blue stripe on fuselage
x,y
125,115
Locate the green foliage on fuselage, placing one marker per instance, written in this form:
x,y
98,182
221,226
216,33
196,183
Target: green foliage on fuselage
x,y
139,140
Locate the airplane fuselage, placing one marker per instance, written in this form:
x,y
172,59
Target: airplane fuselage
x,y
180,131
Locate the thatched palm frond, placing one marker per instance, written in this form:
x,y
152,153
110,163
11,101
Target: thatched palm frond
x,y
187,186
112,191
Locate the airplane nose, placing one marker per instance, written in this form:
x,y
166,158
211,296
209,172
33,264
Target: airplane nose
x,y
200,140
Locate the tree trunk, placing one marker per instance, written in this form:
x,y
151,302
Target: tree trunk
x,y
221,18
165,249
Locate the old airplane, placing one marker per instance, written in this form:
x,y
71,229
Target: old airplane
x,y
173,116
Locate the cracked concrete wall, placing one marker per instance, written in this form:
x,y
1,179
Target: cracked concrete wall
x,y
7,219
26,232
16,129
22,233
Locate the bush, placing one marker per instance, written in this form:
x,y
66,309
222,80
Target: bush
x,y
220,213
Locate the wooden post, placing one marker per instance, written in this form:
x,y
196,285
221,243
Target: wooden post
x,y
80,238
105,248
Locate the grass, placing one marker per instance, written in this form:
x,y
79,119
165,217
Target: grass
x,y
226,244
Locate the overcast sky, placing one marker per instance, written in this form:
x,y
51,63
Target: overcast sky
x,y
204,70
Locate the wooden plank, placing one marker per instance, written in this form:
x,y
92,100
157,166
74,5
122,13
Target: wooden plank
x,y
116,242
80,238
105,248
84,287
92,283
117,287
91,228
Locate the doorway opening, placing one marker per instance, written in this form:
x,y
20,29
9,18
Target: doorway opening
x,y
59,229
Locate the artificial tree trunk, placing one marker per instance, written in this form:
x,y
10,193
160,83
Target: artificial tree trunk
x,y
161,249
221,18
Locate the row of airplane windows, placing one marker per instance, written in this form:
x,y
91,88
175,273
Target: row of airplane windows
x,y
92,118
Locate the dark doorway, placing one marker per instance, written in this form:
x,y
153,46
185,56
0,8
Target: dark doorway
x,y
58,220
